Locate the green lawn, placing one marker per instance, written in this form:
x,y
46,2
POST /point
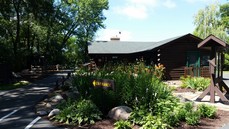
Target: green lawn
x,y
14,85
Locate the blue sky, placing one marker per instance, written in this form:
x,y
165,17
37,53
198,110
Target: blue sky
x,y
150,20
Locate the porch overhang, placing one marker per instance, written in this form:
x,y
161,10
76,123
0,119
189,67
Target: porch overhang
x,y
211,41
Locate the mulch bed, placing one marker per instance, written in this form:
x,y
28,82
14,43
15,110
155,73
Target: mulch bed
x,y
181,90
205,123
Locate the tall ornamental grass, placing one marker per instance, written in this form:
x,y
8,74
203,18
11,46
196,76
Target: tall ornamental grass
x,y
134,85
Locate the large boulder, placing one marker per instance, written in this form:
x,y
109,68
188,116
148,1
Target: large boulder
x,y
120,113
54,112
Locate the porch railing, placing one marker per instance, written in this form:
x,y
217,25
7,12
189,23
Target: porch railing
x,y
197,71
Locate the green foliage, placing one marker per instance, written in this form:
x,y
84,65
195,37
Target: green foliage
x,y
188,113
224,13
196,83
56,30
14,85
134,85
152,101
80,112
208,21
226,62
163,115
193,117
154,122
121,124
207,111
167,109
183,109
159,70
137,114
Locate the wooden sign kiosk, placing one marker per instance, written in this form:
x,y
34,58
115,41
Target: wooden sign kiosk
x,y
217,47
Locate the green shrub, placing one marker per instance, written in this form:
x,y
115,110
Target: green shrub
x,y
207,111
121,124
137,114
134,85
196,83
183,109
154,122
186,112
192,117
78,112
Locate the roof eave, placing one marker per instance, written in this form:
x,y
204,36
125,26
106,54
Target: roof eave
x,y
214,38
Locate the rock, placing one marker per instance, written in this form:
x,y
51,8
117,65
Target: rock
x,y
42,113
48,105
54,112
182,99
57,98
120,113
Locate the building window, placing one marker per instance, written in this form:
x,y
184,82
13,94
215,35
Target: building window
x,y
204,60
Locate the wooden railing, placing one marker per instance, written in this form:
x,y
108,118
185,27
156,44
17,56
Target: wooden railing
x,y
197,71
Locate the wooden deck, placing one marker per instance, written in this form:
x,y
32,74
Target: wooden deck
x,y
201,71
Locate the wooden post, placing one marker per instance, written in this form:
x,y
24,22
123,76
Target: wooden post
x,y
213,88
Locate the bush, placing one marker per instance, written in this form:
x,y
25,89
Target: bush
x,y
196,83
187,113
192,117
134,85
207,111
80,112
121,124
182,110
154,122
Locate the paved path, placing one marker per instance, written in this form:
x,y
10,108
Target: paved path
x,y
226,80
17,107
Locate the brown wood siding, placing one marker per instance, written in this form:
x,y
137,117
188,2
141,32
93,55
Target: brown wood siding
x,y
173,56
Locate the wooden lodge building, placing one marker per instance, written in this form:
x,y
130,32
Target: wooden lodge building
x,y
180,55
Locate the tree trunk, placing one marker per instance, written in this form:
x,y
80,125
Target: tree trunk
x,y
28,38
17,39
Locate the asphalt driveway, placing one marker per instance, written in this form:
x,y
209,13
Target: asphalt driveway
x,y
17,107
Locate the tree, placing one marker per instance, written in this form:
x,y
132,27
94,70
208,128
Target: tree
x,y
208,21
214,19
224,13
87,18
46,28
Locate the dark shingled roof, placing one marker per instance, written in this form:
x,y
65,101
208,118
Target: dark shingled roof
x,y
125,47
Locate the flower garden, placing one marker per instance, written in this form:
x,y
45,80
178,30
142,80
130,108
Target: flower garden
x,y
137,86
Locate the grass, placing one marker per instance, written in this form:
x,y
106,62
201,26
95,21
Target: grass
x,y
13,85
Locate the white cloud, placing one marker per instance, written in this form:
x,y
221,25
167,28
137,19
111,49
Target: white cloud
x,y
141,9
133,11
169,4
144,2
106,34
205,1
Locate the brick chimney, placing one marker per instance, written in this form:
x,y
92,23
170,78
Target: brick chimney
x,y
115,38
